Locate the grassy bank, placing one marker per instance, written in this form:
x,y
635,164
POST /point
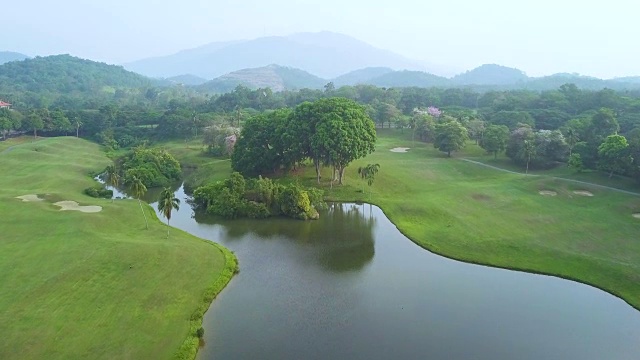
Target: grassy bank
x,y
94,285
476,214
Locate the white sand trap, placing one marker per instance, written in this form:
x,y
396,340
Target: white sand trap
x,y
636,215
73,206
29,198
583,193
547,193
399,149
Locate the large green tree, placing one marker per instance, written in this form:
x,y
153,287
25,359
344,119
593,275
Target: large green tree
x,y
34,122
495,139
262,148
614,155
450,136
345,133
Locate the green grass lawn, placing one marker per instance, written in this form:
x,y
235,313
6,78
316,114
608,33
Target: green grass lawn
x,y
93,285
481,215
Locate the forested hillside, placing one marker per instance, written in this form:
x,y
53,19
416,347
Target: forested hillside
x,y
275,77
58,75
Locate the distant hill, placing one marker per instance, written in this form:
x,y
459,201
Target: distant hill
x,y
628,79
7,56
324,54
410,79
186,79
491,74
65,74
362,76
276,77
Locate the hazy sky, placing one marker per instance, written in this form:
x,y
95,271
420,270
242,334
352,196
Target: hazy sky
x,y
598,38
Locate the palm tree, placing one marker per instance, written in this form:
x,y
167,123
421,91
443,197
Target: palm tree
x,y
369,173
113,179
529,150
572,139
138,189
166,203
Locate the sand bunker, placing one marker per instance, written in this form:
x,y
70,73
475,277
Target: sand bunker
x,y
29,198
73,206
399,149
636,215
547,193
583,193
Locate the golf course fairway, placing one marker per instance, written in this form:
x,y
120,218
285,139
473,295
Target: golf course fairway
x,y
93,283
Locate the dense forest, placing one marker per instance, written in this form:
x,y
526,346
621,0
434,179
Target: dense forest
x,y
63,95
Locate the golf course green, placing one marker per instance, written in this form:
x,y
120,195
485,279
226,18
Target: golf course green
x,y
93,284
478,214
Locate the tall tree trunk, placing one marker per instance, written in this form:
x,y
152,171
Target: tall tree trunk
x,y
168,228
527,170
340,174
143,214
35,134
316,163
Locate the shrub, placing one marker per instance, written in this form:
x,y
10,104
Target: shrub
x,y
98,192
200,332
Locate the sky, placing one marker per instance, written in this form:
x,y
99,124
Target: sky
x,y
596,38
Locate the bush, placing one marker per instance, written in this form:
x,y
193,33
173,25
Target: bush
x,y
200,332
258,199
98,192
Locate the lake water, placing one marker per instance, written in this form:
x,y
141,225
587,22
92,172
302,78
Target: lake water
x,y
351,286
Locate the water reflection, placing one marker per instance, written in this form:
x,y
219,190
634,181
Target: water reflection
x,y
341,241
121,192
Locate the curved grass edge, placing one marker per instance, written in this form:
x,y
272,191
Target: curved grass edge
x,y
465,259
189,348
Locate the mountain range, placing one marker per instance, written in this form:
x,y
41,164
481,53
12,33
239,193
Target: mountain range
x,y
305,60
324,54
485,77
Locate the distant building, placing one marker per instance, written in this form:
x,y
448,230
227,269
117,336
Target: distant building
x,y
4,105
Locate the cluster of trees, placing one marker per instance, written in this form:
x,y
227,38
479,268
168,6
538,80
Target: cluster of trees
x,y
152,167
331,132
258,198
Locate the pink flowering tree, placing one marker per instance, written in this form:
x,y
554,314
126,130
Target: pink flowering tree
x,y
434,111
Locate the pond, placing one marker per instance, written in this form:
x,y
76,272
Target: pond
x,y
351,286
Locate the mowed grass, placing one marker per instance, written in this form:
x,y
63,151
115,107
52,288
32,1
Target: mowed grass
x,y
480,215
81,285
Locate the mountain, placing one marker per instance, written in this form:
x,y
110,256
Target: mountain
x,y
324,54
407,78
491,74
276,77
628,79
187,79
7,56
584,82
361,76
66,74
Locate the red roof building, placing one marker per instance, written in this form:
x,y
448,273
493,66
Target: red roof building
x,y
4,105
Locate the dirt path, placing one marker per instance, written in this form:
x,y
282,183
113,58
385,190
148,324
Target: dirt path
x,y
553,177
